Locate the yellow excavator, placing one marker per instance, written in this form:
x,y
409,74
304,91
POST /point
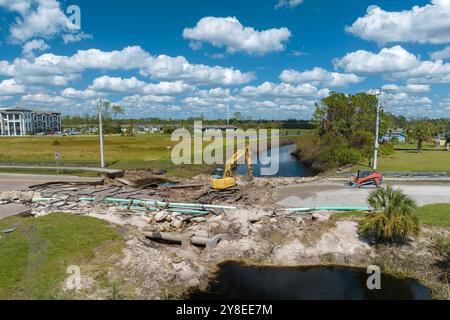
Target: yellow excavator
x,y
224,178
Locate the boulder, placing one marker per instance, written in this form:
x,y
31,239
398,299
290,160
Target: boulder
x,y
176,224
161,216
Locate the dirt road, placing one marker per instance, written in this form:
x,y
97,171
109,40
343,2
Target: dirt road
x,y
326,194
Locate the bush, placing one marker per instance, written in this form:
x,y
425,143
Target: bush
x,y
168,129
387,148
394,217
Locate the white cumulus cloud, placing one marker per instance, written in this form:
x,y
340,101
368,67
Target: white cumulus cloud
x,y
269,89
37,18
396,63
393,59
11,87
55,68
319,76
231,34
116,84
427,24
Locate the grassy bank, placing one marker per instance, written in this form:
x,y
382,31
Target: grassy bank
x,y
34,259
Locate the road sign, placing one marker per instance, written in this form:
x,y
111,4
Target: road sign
x,y
57,158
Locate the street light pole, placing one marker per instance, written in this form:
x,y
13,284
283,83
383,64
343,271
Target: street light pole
x,y
377,132
100,129
228,118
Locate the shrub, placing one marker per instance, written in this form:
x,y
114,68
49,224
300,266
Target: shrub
x,y
387,148
394,217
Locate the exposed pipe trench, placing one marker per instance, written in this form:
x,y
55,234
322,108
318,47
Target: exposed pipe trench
x,y
209,243
152,205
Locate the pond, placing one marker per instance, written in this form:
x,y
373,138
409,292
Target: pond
x,y
289,166
235,281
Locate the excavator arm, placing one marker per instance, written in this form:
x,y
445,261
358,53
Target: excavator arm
x,y
228,179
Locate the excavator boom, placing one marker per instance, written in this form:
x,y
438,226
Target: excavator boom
x,y
228,180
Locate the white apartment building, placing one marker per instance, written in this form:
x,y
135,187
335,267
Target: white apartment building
x,y
21,121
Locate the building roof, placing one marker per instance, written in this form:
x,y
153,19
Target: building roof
x,y
20,109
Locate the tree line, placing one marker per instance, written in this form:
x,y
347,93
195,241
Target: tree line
x,y
345,131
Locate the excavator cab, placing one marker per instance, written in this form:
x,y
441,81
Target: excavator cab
x,y
224,178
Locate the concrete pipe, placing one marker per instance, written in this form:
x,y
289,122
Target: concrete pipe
x,y
209,243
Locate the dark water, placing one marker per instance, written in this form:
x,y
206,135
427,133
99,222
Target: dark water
x,y
289,166
239,282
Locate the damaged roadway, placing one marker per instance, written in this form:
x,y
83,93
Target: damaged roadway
x,y
258,231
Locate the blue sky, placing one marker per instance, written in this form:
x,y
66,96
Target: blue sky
x,y
273,58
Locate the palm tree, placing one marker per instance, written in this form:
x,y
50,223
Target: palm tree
x,y
394,216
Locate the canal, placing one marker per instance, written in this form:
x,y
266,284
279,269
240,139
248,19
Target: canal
x,y
289,166
242,282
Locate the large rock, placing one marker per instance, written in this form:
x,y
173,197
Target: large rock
x,y
176,224
161,216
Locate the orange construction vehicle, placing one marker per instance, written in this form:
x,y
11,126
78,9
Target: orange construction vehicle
x,y
367,178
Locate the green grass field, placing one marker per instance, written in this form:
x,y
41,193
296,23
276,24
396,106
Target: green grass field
x,y
142,151
408,160
437,215
121,152
34,258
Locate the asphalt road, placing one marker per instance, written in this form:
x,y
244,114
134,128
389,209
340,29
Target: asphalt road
x,y
18,182
332,194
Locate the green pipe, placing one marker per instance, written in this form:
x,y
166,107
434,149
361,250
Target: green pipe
x,y
329,209
193,212
170,204
43,199
149,202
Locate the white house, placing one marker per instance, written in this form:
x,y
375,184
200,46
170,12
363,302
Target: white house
x,y
21,121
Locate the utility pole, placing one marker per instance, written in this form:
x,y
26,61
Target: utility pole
x,y
228,118
100,131
377,130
